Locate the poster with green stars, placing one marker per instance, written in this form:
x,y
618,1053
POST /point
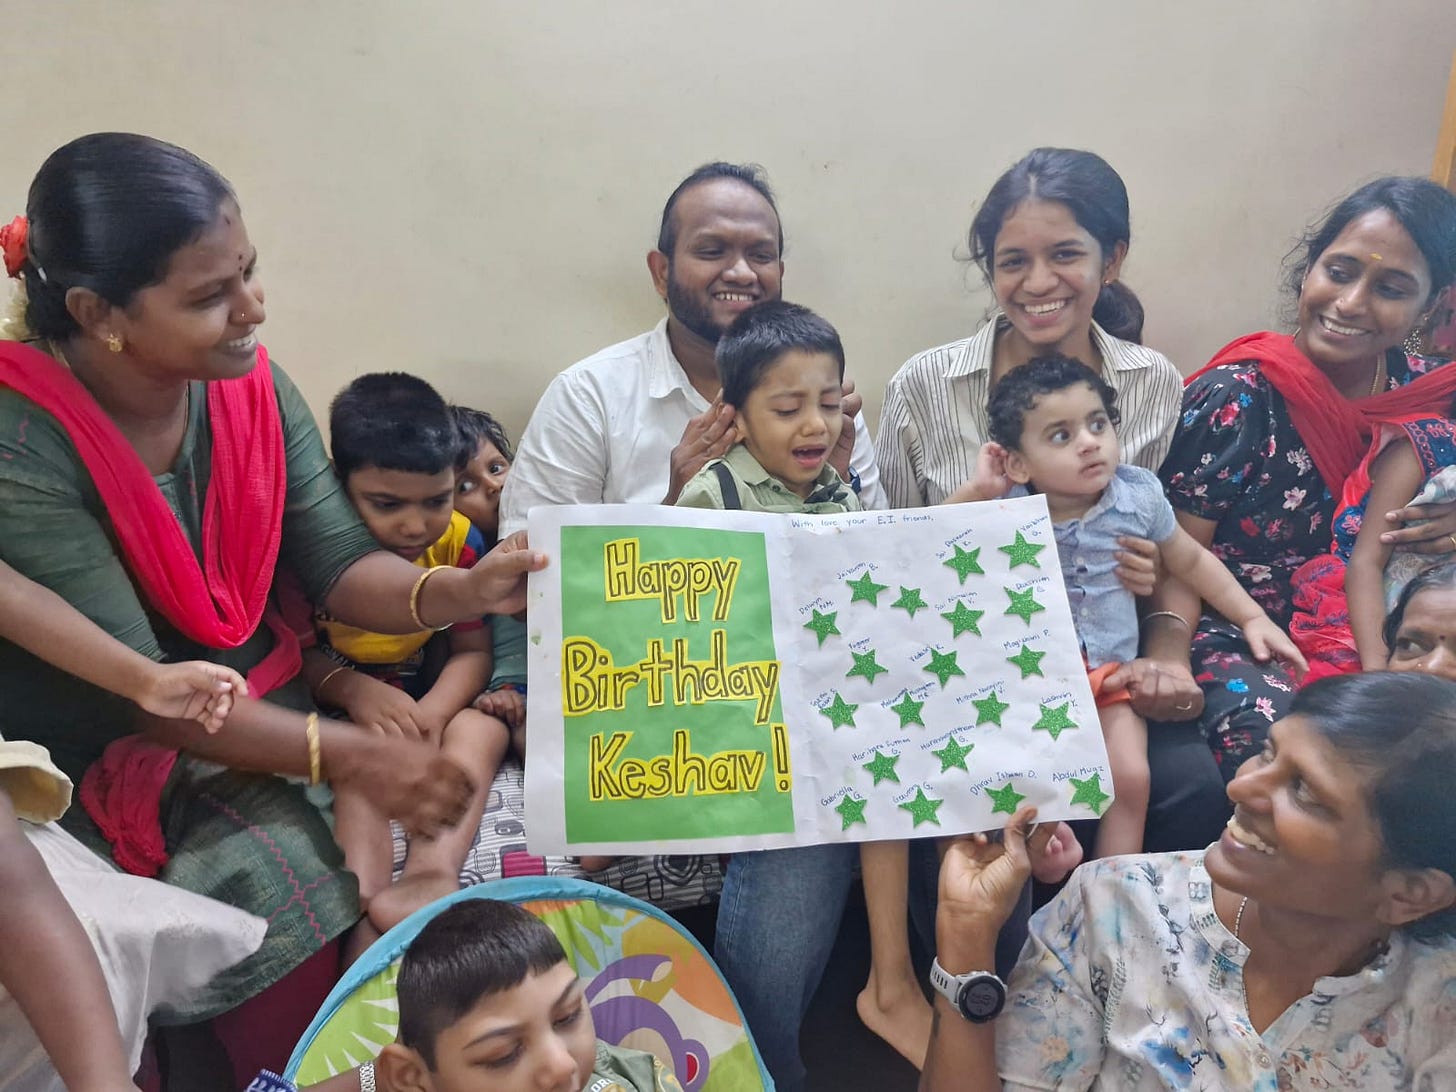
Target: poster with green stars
x,y
720,681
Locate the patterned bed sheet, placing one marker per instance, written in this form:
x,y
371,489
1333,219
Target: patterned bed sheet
x,y
499,852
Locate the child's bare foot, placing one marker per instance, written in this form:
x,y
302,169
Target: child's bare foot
x,y
595,864
1062,854
901,1016
408,894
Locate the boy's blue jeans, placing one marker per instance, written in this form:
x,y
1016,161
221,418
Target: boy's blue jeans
x,y
777,919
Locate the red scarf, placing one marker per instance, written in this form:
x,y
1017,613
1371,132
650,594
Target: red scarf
x,y
1336,430
220,602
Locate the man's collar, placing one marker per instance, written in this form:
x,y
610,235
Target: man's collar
x,y
664,374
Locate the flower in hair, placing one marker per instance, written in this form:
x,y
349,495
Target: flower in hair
x,y
12,244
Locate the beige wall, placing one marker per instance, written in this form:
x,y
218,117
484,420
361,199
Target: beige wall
x,y
467,190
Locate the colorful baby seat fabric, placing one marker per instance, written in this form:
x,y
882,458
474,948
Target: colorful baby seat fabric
x,y
650,986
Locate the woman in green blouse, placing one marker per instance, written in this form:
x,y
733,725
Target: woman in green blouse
x,y
154,469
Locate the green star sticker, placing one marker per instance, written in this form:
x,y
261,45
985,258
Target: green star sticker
x,y
910,600
963,620
1028,660
1054,721
943,665
953,755
865,588
923,808
840,712
1006,799
882,766
990,709
1023,604
908,710
865,664
823,625
851,811
1022,552
965,563
1089,792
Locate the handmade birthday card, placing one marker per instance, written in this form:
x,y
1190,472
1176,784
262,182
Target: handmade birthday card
x,y
718,681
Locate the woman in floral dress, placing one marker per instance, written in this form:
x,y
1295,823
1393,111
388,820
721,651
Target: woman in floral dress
x,y
1273,426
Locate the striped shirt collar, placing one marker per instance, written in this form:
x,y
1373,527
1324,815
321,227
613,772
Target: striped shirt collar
x,y
977,352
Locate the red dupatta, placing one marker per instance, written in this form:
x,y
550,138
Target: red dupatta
x,y
220,602
1336,430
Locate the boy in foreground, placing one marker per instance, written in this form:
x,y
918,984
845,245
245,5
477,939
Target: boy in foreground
x,y
488,1003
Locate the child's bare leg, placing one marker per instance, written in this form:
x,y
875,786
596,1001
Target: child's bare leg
x,y
892,1004
477,741
1121,828
363,834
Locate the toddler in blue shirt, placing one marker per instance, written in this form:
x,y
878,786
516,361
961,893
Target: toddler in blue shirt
x,y
1053,431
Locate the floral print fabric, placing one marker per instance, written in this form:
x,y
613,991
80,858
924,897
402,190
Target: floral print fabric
x,y
1237,460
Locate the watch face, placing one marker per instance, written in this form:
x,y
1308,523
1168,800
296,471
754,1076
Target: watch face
x,y
982,998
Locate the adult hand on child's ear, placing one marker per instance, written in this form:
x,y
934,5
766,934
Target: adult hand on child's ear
x,y
850,405
708,436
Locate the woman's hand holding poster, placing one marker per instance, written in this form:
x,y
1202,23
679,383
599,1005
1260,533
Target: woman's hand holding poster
x,y
719,681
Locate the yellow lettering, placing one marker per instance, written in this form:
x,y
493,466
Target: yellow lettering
x,y
680,773
601,782
627,577
590,681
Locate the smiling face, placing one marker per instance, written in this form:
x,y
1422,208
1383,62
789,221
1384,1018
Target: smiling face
x,y
1302,836
478,487
791,420
725,258
1426,639
535,1037
1362,295
1047,271
405,512
199,322
1068,448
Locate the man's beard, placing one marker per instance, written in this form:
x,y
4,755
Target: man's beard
x,y
690,313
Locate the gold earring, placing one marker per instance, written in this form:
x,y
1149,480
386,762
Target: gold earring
x,y
114,342
1415,341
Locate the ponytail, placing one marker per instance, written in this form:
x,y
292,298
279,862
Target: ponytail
x,y
1119,312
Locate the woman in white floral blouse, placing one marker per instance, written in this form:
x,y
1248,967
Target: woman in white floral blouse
x,y
1312,947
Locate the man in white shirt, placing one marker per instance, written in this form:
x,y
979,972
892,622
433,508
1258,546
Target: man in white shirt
x,y
635,421
632,424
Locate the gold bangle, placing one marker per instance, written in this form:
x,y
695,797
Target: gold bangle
x,y
1173,614
414,600
319,689
315,762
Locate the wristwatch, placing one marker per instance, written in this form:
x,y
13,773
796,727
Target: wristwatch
x,y
979,996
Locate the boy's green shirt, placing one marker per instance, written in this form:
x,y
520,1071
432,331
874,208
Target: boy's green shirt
x,y
760,491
